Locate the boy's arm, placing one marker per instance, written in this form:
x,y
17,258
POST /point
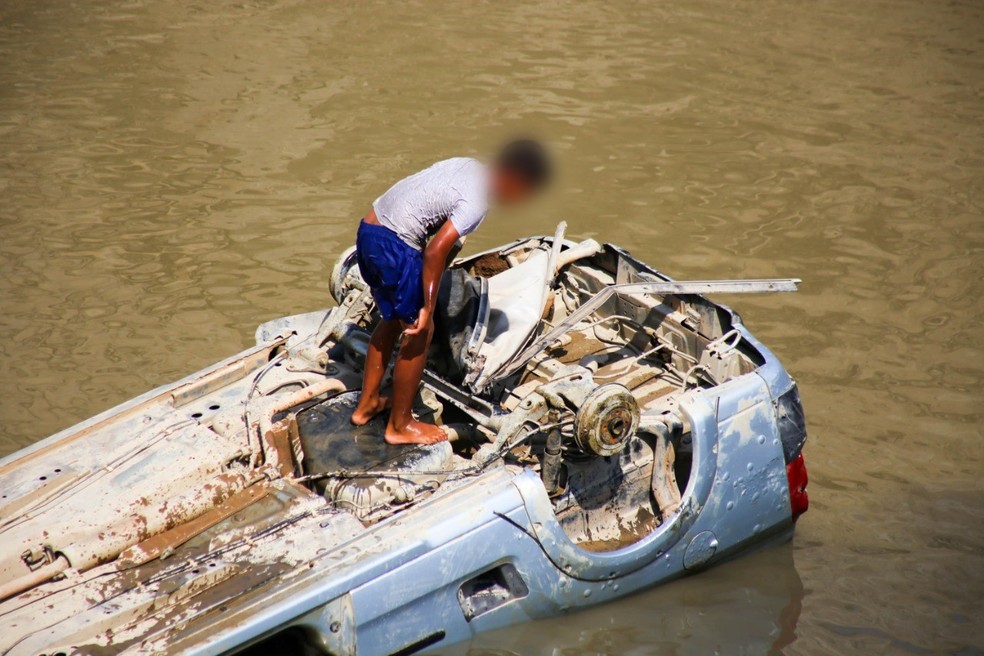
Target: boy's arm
x,y
436,257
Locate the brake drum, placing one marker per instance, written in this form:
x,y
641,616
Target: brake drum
x,y
605,421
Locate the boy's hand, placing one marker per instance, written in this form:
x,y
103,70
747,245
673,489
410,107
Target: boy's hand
x,y
421,324
435,262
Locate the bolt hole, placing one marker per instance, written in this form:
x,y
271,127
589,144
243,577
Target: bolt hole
x,y
211,564
279,364
214,406
58,471
196,415
44,478
196,571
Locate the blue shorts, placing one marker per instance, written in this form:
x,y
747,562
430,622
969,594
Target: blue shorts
x,y
393,270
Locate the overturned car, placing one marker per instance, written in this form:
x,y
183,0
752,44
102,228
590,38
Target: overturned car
x,y
611,429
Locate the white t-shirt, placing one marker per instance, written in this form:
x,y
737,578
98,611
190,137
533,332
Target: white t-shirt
x,y
455,189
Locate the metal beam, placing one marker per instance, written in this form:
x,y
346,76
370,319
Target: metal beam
x,y
654,287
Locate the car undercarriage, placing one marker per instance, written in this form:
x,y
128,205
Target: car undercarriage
x,y
609,429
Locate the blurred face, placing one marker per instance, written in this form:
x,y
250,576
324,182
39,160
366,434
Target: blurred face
x,y
508,188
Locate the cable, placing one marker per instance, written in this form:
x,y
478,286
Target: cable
x,y
254,453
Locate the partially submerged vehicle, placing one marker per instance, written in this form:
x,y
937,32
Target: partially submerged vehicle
x,y
610,430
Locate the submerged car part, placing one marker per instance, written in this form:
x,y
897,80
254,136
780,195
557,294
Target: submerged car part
x,y
606,420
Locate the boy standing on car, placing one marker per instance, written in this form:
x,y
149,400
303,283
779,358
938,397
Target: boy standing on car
x,y
403,247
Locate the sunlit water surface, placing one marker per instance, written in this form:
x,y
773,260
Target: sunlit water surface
x,y
174,173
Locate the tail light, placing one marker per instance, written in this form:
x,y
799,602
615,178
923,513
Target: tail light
x,y
799,500
791,423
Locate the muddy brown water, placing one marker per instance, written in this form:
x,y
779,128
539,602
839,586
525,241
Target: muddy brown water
x,y
174,173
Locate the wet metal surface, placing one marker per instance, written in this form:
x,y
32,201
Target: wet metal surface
x,y
331,442
173,174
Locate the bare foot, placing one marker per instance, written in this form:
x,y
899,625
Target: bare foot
x,y
367,411
415,432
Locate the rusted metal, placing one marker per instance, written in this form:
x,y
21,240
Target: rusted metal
x,y
276,438
34,578
664,482
282,403
162,543
552,461
606,419
277,451
94,549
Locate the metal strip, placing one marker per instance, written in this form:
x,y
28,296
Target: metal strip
x,y
157,545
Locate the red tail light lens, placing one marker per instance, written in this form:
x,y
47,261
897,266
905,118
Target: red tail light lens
x,y
798,498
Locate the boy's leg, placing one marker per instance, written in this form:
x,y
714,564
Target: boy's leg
x,y
403,428
377,357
